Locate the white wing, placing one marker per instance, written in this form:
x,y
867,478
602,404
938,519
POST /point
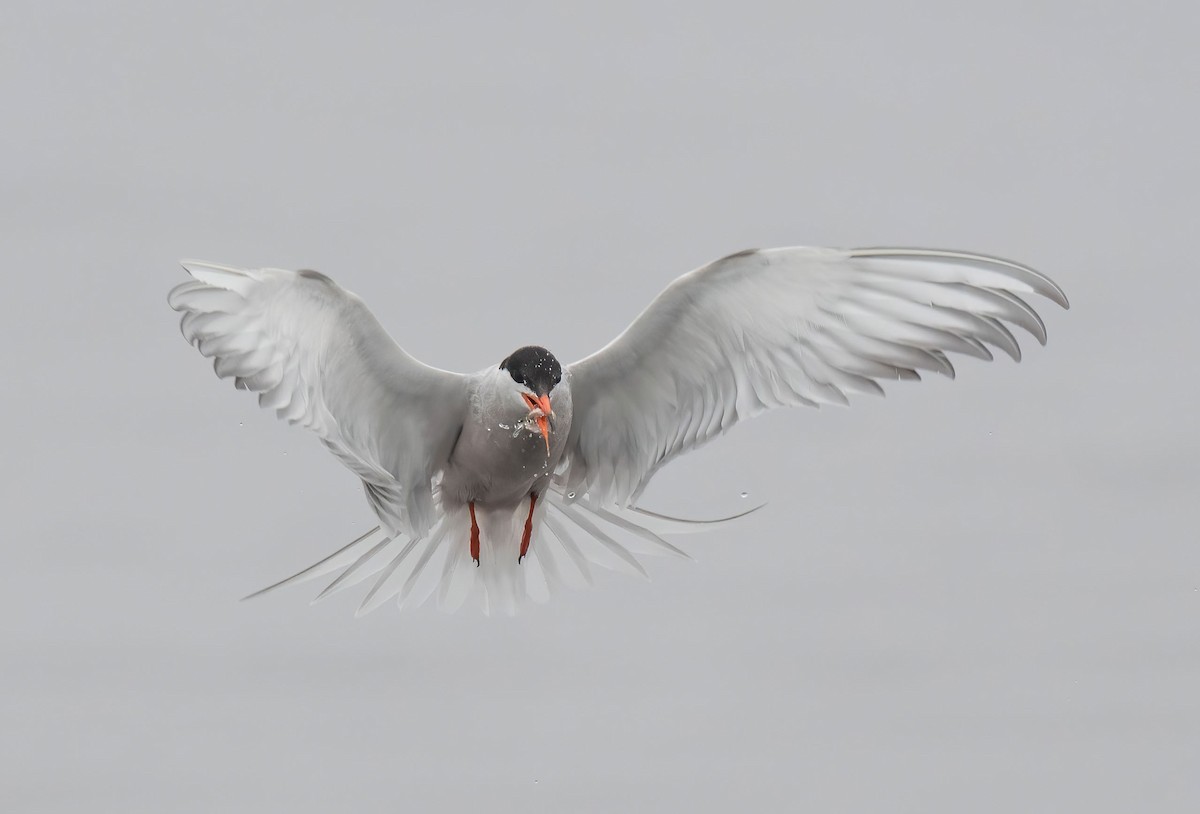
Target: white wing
x,y
781,327
314,353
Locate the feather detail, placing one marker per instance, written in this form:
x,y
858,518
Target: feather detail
x,y
783,327
415,570
318,357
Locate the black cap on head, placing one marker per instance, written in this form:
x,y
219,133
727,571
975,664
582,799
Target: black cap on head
x,y
535,367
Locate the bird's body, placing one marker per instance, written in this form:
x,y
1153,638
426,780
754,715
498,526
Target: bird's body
x,y
499,459
514,480
499,466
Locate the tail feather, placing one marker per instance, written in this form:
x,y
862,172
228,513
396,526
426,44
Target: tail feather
x,y
411,583
338,559
665,524
572,548
387,584
548,562
458,578
659,545
365,566
538,585
568,538
619,551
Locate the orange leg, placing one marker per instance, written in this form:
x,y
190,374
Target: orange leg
x,y
474,534
528,529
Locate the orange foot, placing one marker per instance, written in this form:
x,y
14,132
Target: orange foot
x,y
528,529
474,534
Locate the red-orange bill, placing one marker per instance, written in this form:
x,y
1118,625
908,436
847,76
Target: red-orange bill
x,y
543,421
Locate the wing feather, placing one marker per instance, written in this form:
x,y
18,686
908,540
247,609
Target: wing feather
x,y
315,354
783,327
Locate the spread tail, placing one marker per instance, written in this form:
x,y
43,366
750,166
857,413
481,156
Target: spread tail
x,y
569,538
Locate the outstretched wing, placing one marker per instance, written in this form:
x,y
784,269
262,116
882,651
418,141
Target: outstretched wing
x,y
319,358
782,327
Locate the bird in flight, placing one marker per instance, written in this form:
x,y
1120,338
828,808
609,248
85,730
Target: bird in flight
x,y
508,483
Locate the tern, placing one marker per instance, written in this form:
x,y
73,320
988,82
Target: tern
x,y
508,483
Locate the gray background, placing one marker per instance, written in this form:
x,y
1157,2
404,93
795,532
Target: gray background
x,y
978,595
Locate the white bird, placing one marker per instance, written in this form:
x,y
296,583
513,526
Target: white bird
x,y
509,482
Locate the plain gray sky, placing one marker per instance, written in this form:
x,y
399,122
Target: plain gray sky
x,y
981,595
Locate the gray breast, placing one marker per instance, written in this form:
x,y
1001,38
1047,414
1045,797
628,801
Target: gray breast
x,y
499,457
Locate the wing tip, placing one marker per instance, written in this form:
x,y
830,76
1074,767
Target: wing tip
x,y
190,263
1037,280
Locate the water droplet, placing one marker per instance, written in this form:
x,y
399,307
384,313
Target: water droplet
x,y
745,494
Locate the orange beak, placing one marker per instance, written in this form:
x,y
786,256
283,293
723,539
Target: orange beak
x,y
543,421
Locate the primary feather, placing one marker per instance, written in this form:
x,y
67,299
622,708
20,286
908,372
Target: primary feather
x,y
782,327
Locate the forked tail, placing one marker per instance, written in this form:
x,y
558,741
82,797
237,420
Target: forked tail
x,y
569,538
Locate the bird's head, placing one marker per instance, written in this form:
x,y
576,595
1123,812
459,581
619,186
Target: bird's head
x,y
536,372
